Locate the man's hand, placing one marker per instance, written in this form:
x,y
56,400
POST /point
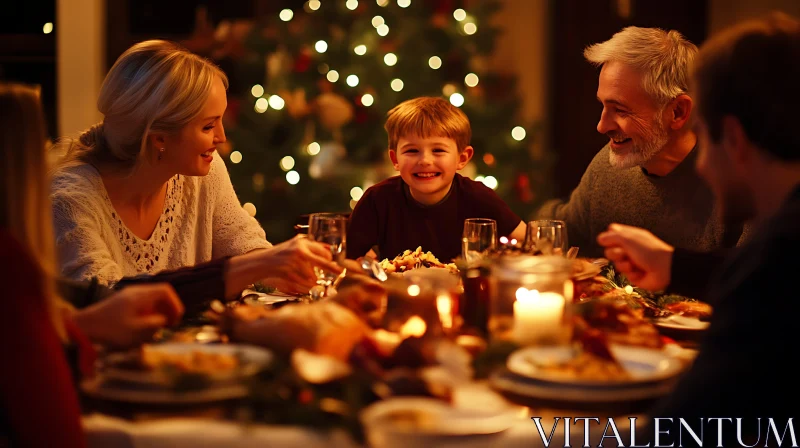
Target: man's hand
x,y
640,255
131,316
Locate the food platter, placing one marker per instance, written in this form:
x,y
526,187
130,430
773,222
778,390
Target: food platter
x,y
153,374
652,373
564,365
218,362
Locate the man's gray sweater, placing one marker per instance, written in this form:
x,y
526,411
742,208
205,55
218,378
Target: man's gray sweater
x,y
678,208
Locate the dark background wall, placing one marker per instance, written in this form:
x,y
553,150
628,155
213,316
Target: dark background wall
x,y
27,54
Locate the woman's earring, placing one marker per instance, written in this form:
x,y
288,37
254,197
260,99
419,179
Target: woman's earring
x,y
160,152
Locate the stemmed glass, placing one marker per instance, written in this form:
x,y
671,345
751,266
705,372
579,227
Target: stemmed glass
x,y
480,236
331,229
549,236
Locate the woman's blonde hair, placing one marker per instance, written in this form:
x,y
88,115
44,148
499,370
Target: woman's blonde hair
x,y
25,209
664,58
155,85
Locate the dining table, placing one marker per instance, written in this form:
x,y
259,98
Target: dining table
x,y
225,424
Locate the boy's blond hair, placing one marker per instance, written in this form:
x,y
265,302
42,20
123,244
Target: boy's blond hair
x,y
428,117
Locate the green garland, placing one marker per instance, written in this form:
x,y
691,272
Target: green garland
x,y
279,396
657,298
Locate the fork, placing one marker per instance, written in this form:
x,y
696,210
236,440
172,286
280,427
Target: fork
x,y
572,253
339,279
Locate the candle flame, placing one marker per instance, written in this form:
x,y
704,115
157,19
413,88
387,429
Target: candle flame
x,y
414,290
527,295
444,304
414,326
503,240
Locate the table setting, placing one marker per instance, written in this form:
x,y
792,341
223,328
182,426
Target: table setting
x,y
410,351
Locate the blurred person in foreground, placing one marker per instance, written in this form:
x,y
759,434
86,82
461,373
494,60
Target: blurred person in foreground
x,y
40,332
746,84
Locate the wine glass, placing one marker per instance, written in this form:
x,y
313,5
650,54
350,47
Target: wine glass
x,y
480,236
548,236
331,229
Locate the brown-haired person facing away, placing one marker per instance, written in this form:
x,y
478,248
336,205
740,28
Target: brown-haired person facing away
x,y
426,205
747,89
145,191
36,325
645,175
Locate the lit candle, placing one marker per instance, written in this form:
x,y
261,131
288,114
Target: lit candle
x,y
444,305
414,327
537,316
386,341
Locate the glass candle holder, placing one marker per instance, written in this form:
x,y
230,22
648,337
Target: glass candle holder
x,y
425,295
530,300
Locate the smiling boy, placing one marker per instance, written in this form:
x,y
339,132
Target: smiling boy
x,y
426,205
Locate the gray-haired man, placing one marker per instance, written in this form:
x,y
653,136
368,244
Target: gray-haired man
x,y
645,175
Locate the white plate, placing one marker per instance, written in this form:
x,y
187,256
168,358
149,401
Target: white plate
x,y
99,388
251,358
436,418
644,365
675,322
505,381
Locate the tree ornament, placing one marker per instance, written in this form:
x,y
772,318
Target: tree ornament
x,y
328,163
522,188
303,61
479,64
278,63
440,20
296,104
334,111
445,7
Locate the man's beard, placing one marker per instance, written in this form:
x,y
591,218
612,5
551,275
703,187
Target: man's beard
x,y
643,148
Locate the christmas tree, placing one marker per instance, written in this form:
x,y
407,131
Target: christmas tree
x,y
314,84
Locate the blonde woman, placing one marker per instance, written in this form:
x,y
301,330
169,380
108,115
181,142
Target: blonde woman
x,y
145,190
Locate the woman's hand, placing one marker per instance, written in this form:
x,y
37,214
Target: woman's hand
x,y
289,266
131,316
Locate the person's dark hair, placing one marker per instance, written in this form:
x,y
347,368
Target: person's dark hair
x,y
752,72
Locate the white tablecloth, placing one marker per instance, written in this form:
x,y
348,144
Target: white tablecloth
x,y
109,432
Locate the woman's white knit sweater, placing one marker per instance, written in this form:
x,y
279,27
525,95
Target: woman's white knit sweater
x,y
202,220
